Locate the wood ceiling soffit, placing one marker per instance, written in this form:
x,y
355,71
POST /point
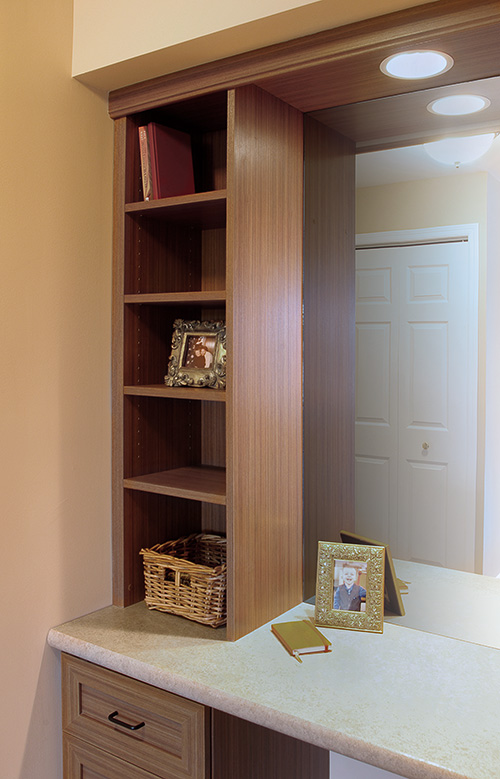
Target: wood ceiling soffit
x,y
298,71
403,120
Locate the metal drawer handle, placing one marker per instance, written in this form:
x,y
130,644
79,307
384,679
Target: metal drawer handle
x,y
112,718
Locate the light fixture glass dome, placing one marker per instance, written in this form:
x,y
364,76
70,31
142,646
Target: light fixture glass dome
x,y
458,105
456,151
416,64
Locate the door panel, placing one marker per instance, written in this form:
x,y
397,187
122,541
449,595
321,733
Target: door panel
x,y
413,404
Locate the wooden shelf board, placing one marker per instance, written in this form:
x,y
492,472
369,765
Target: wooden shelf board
x,y
203,483
206,209
214,297
184,393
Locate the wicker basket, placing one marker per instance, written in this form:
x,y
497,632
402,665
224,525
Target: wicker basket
x,y
188,577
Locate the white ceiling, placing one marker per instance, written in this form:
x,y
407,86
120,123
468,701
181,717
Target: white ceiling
x,y
412,162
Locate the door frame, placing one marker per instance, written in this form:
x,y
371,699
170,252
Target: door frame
x,y
475,375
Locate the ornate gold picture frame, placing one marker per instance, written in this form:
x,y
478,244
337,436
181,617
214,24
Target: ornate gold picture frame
x,y
350,587
198,356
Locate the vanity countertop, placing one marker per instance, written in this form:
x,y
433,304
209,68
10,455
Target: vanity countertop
x,y
421,705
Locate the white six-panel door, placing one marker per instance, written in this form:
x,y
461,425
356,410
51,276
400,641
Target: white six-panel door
x,y
416,312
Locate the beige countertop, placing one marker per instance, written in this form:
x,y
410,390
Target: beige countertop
x,y
418,704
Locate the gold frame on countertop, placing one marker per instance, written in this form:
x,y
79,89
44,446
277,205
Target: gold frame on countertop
x,y
330,556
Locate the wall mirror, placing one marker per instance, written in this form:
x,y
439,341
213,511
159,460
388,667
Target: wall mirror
x,y
422,371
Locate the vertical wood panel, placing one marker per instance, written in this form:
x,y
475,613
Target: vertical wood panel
x,y
243,750
264,395
120,184
329,316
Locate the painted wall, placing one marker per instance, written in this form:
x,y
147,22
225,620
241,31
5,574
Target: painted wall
x,y
461,199
120,42
492,442
55,374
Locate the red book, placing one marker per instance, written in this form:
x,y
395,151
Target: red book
x,y
147,184
171,161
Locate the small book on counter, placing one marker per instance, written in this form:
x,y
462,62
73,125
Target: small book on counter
x,y
300,637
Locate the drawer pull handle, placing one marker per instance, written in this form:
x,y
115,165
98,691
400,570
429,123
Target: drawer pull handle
x,y
112,718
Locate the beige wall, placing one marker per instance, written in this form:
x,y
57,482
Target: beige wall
x,y
55,337
428,203
118,42
461,199
492,389
54,374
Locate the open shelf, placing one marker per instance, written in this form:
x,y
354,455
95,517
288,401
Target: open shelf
x,y
203,209
182,393
212,297
202,483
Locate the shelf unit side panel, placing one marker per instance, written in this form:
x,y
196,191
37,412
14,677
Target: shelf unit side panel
x,y
123,173
265,346
328,341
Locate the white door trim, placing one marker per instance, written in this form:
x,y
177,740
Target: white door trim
x,y
461,232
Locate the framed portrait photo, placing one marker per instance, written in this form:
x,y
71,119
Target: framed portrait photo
x,y
350,586
198,356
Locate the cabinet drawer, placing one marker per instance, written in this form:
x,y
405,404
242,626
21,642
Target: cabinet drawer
x,y
84,761
166,735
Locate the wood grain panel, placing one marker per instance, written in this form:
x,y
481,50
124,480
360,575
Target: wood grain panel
x,y
265,347
340,66
205,209
213,255
84,761
403,120
160,434
187,393
122,176
353,75
243,750
161,257
199,483
329,268
151,519
172,740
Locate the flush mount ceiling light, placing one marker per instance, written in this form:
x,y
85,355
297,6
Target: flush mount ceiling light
x,y
416,64
456,151
458,105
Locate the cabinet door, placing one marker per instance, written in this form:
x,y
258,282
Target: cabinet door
x,y
84,761
151,728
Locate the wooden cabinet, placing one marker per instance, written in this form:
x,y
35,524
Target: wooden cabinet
x,y
115,727
110,718
266,243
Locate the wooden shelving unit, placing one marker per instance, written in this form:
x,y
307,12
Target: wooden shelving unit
x,y
190,460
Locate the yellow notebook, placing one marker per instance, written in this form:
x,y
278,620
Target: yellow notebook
x,y
300,638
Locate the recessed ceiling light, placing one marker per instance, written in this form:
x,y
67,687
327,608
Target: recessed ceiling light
x,y
416,64
458,105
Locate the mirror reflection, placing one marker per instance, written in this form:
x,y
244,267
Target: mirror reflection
x,y
427,350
